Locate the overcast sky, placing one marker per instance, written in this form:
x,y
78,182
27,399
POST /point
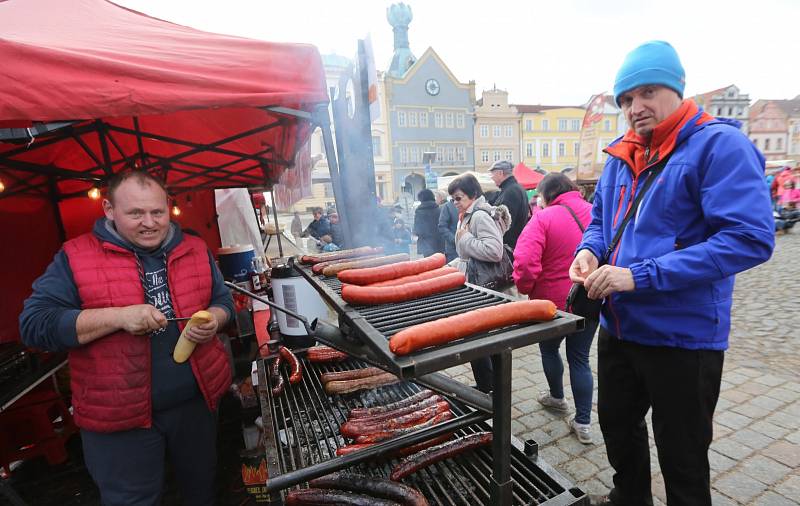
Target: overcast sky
x,y
557,52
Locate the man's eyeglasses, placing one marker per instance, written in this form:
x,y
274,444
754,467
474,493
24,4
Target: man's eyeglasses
x,y
456,199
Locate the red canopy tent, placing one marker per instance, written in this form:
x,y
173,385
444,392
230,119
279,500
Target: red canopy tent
x,y
91,88
527,177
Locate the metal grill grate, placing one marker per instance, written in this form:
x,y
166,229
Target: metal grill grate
x,y
306,432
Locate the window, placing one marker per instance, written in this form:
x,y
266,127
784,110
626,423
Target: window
x,y
779,144
528,125
766,144
439,154
730,111
484,130
509,155
403,155
496,131
327,189
412,119
448,120
461,154
607,125
576,148
546,149
496,156
451,154
738,111
575,125
485,155
562,125
414,158
376,145
545,125
437,119
460,120
562,149
423,119
401,118
509,131
529,149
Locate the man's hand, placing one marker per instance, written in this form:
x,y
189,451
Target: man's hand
x,y
582,266
608,279
141,319
207,331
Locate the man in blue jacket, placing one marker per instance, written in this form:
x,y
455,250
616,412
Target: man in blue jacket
x,y
668,283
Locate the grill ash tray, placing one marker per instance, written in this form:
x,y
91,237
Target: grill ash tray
x,y
302,435
367,329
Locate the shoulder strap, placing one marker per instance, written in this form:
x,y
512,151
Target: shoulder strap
x,y
575,216
651,177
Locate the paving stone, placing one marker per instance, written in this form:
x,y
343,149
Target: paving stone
x,y
769,429
731,448
763,401
783,420
794,437
659,489
732,420
736,396
792,385
792,409
553,455
599,456
789,488
719,462
579,469
751,373
754,388
769,380
752,438
718,499
770,498
517,427
764,469
784,452
607,477
593,486
735,378
739,486
572,446
750,411
783,393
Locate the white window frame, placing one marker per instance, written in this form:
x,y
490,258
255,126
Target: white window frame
x,y
401,119
437,119
509,131
448,119
460,120
576,148
376,146
414,154
509,155
485,155
545,125
496,130
461,154
562,149
545,150
423,119
575,125
496,156
403,154
607,125
451,154
562,125
528,125
484,131
439,153
530,150
412,119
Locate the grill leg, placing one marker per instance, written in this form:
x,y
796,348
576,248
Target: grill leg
x,y
501,428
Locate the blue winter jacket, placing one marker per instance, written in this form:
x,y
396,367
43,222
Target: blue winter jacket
x,y
706,218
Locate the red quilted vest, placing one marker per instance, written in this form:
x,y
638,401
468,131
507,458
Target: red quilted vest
x,y
111,375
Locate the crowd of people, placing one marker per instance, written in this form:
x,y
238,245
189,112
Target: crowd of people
x,y
660,245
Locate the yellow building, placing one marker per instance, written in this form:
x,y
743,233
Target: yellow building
x,y
551,134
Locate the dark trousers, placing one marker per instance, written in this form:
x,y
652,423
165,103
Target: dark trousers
x,y
128,466
682,388
482,371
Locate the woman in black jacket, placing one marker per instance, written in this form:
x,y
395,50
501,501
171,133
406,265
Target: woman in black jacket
x,y
426,225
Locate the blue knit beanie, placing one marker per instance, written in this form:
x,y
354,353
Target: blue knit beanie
x,y
654,62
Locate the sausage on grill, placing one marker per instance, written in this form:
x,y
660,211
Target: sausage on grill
x,y
339,255
359,412
454,327
377,437
425,458
370,295
323,354
324,497
277,379
355,447
344,387
296,372
333,270
435,273
370,485
359,427
410,408
319,267
380,273
350,374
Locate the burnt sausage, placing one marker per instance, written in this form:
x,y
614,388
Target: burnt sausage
x,y
370,485
425,458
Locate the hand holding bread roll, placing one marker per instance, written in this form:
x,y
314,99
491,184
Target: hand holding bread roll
x,y
185,347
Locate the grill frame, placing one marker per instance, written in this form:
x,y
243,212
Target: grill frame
x,y
363,340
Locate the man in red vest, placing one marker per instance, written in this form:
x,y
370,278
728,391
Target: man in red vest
x,y
106,298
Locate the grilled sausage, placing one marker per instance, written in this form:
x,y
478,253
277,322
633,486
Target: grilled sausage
x,y
319,267
368,295
344,387
380,273
454,327
350,374
376,487
361,426
323,354
435,273
277,379
410,408
355,447
359,412
377,437
335,269
296,372
324,497
414,463
339,255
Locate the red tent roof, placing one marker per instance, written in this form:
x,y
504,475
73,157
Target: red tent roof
x,y
189,90
527,177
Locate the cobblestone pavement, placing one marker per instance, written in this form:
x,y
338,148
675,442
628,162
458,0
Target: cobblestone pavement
x,y
755,456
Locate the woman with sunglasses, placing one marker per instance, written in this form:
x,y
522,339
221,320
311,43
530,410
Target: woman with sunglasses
x,y
479,235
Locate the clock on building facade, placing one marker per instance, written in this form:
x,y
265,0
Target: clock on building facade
x,y
432,87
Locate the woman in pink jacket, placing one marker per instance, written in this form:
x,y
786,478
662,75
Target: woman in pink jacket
x,y
542,257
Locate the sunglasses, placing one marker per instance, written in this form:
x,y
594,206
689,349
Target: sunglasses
x,y
457,199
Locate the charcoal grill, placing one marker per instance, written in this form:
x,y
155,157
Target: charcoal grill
x,y
363,332
302,427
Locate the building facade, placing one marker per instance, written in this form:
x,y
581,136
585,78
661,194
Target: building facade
x,y
727,102
497,132
769,128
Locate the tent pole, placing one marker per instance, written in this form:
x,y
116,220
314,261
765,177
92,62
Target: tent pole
x,y
101,136
55,198
277,227
139,142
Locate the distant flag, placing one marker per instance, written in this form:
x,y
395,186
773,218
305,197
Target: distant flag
x,y
588,167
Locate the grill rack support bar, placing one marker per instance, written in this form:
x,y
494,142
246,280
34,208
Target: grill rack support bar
x,y
501,483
